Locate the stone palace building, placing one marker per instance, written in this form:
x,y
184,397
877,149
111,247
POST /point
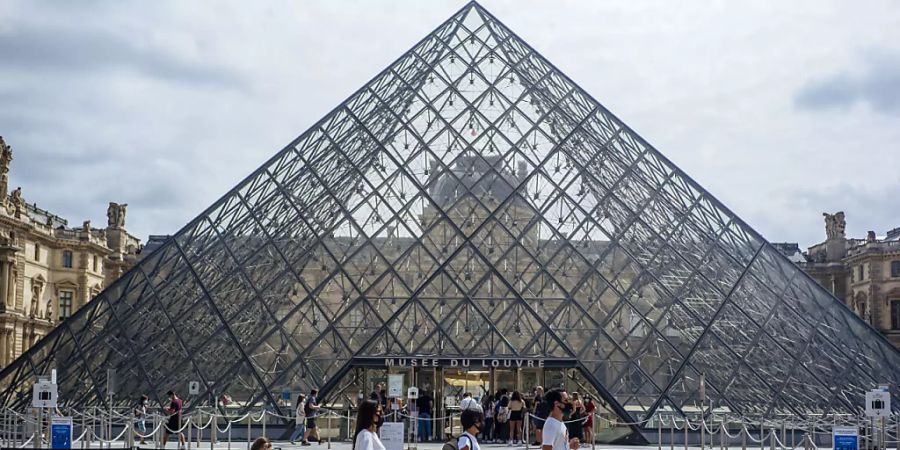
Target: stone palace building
x,y
863,273
48,269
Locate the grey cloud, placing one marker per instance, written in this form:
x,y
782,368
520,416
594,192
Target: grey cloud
x,y
877,85
29,48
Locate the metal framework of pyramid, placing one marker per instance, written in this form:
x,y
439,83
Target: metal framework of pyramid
x,y
471,200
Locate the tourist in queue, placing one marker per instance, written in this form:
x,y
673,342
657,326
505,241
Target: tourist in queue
x,y
140,418
488,406
555,436
366,437
538,414
516,416
588,427
575,419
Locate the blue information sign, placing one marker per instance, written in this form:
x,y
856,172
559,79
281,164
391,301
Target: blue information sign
x,y
845,438
61,432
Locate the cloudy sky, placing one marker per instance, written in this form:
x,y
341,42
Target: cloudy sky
x,y
782,110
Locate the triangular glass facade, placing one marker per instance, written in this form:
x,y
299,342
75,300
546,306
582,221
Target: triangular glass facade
x,y
471,200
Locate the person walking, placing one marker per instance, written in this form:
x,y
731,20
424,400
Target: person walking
x,y
366,437
299,419
516,416
140,418
555,436
173,424
472,420
311,409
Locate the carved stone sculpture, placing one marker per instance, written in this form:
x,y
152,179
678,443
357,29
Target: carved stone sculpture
x,y
5,160
18,203
115,215
835,225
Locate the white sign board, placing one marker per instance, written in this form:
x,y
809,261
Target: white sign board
x,y
412,393
44,395
392,435
395,385
845,438
878,403
194,388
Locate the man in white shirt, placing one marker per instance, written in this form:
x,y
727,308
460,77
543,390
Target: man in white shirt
x,y
468,402
472,421
555,435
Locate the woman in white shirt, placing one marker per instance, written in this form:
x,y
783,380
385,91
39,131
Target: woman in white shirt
x,y
366,424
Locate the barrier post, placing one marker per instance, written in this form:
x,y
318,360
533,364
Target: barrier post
x,y
898,433
249,419
595,420
762,436
265,419
658,433
702,430
199,430
772,438
189,436
328,421
526,432
744,433
672,434
783,434
686,433
214,431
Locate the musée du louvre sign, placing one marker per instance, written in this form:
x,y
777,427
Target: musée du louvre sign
x,y
465,363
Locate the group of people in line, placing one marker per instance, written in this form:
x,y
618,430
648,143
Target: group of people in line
x,y
557,425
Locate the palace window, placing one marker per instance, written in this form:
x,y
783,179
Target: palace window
x,y
895,268
65,304
895,314
67,258
861,274
95,263
37,251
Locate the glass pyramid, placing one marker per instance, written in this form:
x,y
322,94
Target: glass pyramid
x,y
470,200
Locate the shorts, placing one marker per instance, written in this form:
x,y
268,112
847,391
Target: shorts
x,y
173,426
539,423
515,415
310,423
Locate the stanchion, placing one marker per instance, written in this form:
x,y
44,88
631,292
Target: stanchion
x,y
328,421
672,434
702,431
526,432
686,433
189,436
249,420
772,438
744,433
594,421
214,431
265,419
659,433
783,434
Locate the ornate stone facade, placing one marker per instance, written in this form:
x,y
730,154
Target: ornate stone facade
x,y
48,269
863,273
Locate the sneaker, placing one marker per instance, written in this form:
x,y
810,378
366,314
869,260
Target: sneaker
x,y
305,443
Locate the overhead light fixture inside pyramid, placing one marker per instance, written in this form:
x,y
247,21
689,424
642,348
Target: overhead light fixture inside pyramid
x,y
470,203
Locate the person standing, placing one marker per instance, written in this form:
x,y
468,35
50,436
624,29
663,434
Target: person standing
x,y
472,420
173,424
424,404
311,409
467,402
366,437
488,408
589,408
555,436
516,416
539,414
576,418
140,418
299,419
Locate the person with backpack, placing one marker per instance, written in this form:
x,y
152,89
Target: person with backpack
x,y
502,416
488,408
472,421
